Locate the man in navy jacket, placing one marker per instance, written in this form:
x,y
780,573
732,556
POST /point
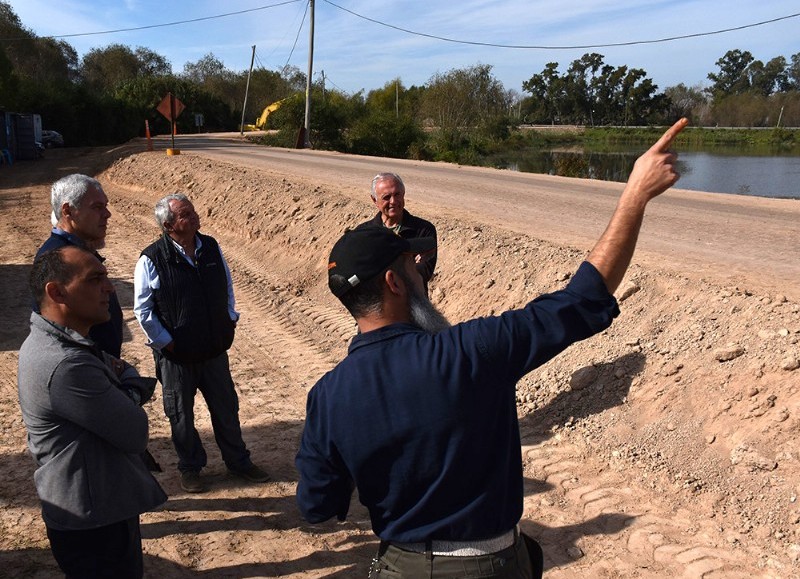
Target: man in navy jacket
x,y
420,416
80,216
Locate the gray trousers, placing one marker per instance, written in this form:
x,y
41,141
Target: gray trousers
x,y
212,378
512,563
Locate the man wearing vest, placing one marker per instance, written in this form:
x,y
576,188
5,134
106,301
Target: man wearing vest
x,y
183,299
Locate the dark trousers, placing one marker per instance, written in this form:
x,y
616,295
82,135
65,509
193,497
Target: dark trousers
x,y
109,552
515,562
181,381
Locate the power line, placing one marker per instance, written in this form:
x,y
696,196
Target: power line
x,y
162,25
291,52
535,47
328,80
416,33
303,10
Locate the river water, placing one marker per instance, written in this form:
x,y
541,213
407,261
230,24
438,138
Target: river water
x,y
761,176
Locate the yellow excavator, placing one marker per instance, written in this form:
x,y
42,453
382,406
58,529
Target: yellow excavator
x,y
261,122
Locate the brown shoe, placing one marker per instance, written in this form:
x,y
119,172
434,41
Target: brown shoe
x,y
252,473
191,482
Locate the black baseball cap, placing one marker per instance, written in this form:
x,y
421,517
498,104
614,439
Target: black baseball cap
x,y
363,253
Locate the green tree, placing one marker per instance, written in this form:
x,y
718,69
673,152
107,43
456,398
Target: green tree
x,y
593,92
384,133
266,87
641,103
206,70
766,79
151,63
8,81
466,106
689,102
40,61
210,74
104,68
391,98
610,98
396,99
793,73
732,77
388,125
547,96
143,94
581,87
332,116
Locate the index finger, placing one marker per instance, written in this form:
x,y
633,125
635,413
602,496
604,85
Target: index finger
x,y
666,139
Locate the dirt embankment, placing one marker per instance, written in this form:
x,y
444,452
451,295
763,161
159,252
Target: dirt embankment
x,y
665,447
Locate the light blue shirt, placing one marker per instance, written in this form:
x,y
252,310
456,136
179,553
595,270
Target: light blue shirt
x,y
146,281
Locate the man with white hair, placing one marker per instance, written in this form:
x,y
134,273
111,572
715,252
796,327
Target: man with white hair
x,y
183,299
388,193
80,212
80,217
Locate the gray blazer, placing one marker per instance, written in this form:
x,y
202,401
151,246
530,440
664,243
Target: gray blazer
x,y
84,430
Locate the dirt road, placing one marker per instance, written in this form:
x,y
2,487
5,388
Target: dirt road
x,y
665,447
737,237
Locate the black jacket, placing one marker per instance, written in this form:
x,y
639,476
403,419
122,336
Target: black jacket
x,y
412,227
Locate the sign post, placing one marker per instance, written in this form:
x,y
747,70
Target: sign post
x,y
171,107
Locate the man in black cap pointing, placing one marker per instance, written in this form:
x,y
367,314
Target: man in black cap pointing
x,y
420,416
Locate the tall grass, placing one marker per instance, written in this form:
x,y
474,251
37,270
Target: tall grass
x,y
698,137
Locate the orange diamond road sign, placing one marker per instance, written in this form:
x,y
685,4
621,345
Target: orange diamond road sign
x,y
166,108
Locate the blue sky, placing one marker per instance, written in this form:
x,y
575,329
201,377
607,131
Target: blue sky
x,y
356,53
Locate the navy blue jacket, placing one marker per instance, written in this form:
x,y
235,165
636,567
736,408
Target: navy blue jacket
x,y
425,426
108,335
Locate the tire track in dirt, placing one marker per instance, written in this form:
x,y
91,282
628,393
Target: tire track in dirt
x,y
282,337
668,544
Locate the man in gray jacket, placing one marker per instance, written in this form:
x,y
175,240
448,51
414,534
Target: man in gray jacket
x,y
86,428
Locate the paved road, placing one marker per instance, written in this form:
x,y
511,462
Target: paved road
x,y
742,240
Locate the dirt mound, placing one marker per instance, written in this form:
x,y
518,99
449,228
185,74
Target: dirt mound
x,y
665,446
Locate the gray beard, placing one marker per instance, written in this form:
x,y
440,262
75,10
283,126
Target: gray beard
x,y
425,315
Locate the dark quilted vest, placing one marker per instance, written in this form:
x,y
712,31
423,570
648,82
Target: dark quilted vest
x,y
192,302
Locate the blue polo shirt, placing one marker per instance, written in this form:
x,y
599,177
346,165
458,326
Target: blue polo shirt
x,y
425,425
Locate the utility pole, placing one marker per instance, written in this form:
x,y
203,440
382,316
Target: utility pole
x,y
397,98
307,125
247,89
